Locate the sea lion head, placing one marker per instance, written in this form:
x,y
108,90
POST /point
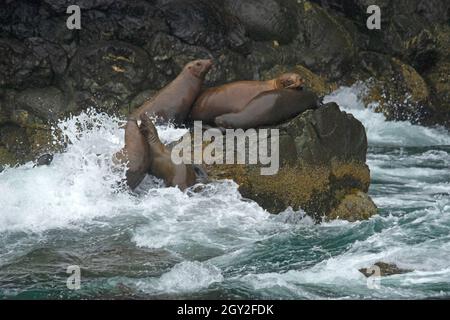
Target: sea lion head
x,y
290,81
199,68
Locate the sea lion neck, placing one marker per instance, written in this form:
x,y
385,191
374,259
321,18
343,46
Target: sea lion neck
x,y
276,83
192,74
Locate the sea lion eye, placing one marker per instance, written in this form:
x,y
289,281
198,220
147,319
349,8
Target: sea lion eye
x,y
198,64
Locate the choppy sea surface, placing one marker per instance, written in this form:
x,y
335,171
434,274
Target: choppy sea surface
x,y
163,243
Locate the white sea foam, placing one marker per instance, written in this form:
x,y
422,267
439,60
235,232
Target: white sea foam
x,y
382,132
186,276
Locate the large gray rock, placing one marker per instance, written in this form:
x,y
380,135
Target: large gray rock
x,y
322,168
327,134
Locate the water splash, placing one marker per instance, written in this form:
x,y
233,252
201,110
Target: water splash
x,y
383,132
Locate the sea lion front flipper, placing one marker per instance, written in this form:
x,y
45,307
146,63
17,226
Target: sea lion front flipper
x,y
149,130
162,167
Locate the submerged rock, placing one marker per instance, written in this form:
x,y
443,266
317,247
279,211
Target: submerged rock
x,y
385,270
322,168
353,207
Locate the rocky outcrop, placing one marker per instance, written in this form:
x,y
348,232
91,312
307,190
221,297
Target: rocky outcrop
x,y
383,269
322,168
397,88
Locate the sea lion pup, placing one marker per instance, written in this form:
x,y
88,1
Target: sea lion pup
x,y
175,100
161,166
269,108
233,97
135,154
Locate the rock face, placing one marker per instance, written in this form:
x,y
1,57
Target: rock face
x,y
322,168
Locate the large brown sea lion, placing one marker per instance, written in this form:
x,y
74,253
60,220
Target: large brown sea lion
x,y
268,108
233,97
174,101
180,175
145,153
135,154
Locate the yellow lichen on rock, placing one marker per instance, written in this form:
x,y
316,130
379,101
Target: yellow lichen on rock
x,y
357,171
292,186
354,207
398,90
41,141
6,157
413,82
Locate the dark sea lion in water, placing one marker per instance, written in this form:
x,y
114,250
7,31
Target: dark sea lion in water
x,y
269,108
44,160
174,101
234,97
135,154
161,166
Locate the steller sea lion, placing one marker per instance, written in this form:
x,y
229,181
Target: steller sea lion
x,y
233,97
175,100
161,166
271,107
145,153
135,154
